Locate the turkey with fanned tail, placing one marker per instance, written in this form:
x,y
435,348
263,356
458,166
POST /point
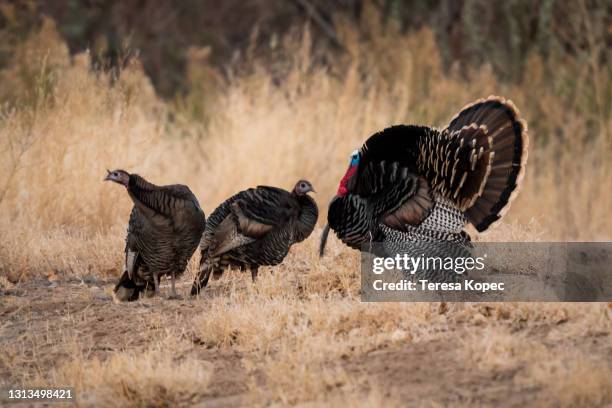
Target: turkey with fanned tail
x,y
164,230
416,185
253,228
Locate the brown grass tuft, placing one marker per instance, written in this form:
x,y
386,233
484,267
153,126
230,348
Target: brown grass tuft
x,y
146,379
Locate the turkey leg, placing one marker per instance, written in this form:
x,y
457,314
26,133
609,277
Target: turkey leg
x,y
156,279
173,294
254,271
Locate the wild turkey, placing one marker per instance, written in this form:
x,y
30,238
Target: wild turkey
x,y
416,184
253,228
164,230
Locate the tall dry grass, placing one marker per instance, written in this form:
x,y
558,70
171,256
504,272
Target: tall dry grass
x,y
63,124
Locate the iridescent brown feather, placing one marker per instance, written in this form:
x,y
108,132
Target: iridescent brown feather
x,y
456,163
509,142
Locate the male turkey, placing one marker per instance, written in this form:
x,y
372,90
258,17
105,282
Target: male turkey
x,y
416,184
165,227
253,228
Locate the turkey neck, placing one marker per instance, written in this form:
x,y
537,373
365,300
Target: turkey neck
x,y
307,219
147,196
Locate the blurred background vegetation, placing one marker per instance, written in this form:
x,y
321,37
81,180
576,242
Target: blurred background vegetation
x,y
167,34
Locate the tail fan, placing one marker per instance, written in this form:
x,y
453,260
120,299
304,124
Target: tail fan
x,y
508,133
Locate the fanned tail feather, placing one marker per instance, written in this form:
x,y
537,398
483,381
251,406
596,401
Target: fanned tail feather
x,y
508,133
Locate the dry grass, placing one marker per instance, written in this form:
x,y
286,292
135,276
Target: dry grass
x,y
575,380
300,335
145,379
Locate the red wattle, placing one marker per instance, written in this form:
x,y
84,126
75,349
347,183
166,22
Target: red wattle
x,y
342,190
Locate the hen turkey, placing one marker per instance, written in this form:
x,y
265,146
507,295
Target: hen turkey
x,y
164,230
253,228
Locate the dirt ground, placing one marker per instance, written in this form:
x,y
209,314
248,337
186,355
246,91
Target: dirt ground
x,y
464,361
